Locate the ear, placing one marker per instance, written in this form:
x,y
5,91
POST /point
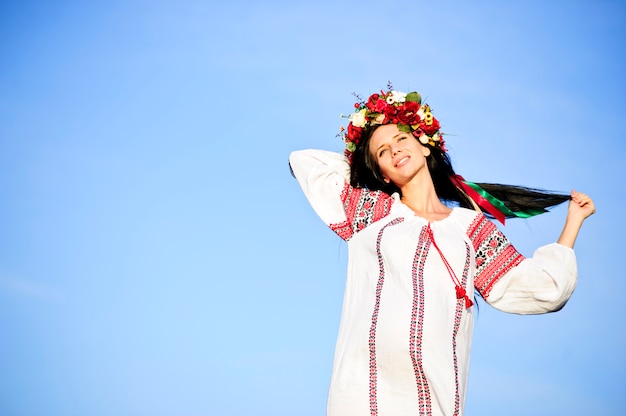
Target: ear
x,y
426,151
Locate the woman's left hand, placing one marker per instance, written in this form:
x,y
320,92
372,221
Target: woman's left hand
x,y
581,206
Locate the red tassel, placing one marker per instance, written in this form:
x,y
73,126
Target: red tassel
x,y
462,294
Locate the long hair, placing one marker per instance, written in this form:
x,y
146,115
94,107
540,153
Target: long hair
x,y
365,173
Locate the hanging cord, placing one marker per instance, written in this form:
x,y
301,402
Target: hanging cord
x,y
460,290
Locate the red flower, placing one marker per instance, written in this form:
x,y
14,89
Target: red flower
x,y
407,113
380,106
354,133
371,102
430,129
390,113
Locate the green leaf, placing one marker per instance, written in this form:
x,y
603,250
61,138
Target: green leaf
x,y
404,128
414,97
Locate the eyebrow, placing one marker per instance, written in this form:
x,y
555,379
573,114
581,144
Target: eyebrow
x,y
394,136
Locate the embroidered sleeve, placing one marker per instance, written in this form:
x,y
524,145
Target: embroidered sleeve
x,y
362,207
495,255
323,178
539,284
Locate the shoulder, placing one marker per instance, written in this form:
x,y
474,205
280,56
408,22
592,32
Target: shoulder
x,y
477,226
467,218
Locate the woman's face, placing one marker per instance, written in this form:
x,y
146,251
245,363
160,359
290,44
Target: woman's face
x,y
399,155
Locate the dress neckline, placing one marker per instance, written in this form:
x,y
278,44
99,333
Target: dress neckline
x,y
405,207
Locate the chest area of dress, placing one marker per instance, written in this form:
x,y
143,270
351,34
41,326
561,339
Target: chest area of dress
x,y
417,264
410,244
402,236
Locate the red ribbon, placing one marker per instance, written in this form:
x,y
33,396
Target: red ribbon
x,y
480,201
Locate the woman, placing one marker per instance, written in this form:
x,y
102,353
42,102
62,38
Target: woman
x,y
417,254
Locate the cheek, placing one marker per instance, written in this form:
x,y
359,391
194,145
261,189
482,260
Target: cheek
x,y
383,168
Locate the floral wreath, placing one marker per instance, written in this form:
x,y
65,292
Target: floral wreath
x,y
392,107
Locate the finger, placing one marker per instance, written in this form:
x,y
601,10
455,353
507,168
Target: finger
x,y
579,197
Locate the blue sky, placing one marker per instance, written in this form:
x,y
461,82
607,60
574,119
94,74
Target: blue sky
x,y
156,257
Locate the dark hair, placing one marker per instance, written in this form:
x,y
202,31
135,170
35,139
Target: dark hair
x,y
365,173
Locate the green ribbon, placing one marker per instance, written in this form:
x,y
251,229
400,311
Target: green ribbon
x,y
500,205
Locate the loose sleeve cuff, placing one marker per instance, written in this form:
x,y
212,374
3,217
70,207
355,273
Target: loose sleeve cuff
x,y
541,284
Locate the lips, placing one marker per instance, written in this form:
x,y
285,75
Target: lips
x,y
403,161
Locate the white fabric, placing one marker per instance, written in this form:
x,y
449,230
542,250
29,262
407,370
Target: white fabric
x,y
381,367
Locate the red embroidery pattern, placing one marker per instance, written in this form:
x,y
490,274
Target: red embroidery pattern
x,y
363,207
417,320
372,333
495,255
416,331
460,307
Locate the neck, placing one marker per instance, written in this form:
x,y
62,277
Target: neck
x,y
420,195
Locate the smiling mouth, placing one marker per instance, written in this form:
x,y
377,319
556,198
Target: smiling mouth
x,y
402,162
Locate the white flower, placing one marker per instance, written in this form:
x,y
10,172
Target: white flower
x,y
358,119
436,137
396,97
400,96
424,139
379,119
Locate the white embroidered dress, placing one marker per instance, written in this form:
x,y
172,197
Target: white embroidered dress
x,y
404,339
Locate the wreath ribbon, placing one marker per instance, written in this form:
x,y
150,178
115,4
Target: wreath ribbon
x,y
490,203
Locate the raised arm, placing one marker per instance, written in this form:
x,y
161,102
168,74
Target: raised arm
x,y
345,209
545,282
322,176
579,209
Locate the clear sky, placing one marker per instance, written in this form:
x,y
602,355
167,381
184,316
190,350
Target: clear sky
x,y
156,256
